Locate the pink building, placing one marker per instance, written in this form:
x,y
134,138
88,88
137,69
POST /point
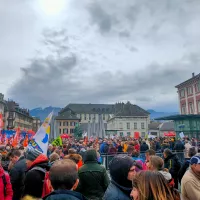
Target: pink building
x,y
189,95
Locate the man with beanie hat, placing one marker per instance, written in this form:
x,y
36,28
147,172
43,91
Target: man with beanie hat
x,y
122,170
190,183
37,164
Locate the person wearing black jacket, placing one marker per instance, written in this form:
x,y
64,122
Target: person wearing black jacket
x,y
144,147
64,179
172,163
37,164
17,173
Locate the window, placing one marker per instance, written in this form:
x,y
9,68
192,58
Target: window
x,y
120,125
135,125
189,90
121,134
60,123
63,123
198,86
191,108
104,117
89,116
142,125
72,123
72,130
85,117
94,116
128,125
183,110
182,93
199,106
129,134
143,134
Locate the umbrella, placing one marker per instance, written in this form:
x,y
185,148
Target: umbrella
x,y
64,136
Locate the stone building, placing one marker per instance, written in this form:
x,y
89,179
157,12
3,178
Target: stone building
x,y
128,120
36,124
18,117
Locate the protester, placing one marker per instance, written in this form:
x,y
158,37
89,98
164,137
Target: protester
x,y
122,170
148,153
64,179
187,147
144,147
93,177
186,164
17,173
148,185
76,158
172,163
156,163
190,183
53,157
6,192
37,164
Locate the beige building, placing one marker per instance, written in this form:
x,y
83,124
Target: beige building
x,y
36,124
18,117
66,122
129,120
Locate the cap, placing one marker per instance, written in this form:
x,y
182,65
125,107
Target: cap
x,y
32,154
195,160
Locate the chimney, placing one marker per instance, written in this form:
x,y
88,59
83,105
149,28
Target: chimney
x,y
193,75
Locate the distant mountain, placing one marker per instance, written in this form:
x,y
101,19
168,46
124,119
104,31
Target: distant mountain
x,y
43,113
154,114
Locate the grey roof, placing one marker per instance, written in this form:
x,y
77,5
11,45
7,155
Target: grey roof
x,y
90,108
154,125
179,117
67,115
167,126
130,110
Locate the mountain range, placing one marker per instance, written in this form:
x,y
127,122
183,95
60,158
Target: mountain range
x,y
43,113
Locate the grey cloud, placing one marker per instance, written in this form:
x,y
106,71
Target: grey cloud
x,y
100,17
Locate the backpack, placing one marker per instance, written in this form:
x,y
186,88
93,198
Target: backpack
x,y
47,187
4,183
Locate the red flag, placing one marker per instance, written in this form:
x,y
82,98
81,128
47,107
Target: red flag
x,y
16,138
25,143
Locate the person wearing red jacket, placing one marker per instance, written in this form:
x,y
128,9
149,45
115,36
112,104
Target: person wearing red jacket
x,y
6,192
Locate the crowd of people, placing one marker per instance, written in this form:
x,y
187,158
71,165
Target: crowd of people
x,y
76,170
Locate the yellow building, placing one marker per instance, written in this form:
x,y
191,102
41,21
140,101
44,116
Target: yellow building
x,y
66,122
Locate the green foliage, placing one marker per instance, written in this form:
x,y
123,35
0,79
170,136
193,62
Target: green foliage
x,y
78,132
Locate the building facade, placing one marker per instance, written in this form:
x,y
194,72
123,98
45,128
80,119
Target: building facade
x,y
18,117
131,119
66,122
189,95
91,112
36,124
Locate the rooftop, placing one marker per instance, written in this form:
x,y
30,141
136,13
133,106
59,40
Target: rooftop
x,y
67,115
197,77
178,117
167,126
154,125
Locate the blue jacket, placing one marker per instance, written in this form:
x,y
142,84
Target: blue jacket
x,y
117,192
64,194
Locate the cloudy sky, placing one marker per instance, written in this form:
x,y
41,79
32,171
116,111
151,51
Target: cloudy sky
x,y
54,52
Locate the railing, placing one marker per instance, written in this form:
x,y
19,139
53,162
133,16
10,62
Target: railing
x,y
106,158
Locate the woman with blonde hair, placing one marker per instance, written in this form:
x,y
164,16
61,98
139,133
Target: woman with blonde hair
x,y
151,185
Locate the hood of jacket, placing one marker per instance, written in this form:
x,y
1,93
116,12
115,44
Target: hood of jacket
x,y
41,160
167,175
90,156
64,194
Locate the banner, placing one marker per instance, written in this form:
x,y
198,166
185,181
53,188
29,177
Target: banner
x,y
41,139
57,141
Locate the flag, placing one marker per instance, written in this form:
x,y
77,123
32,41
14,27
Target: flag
x,y
1,122
25,143
41,138
16,138
57,141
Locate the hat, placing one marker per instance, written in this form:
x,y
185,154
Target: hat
x,y
195,160
32,154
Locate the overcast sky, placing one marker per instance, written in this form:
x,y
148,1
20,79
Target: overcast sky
x,y
54,52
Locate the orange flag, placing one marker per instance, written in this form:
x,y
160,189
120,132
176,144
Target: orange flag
x,y
16,138
25,143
